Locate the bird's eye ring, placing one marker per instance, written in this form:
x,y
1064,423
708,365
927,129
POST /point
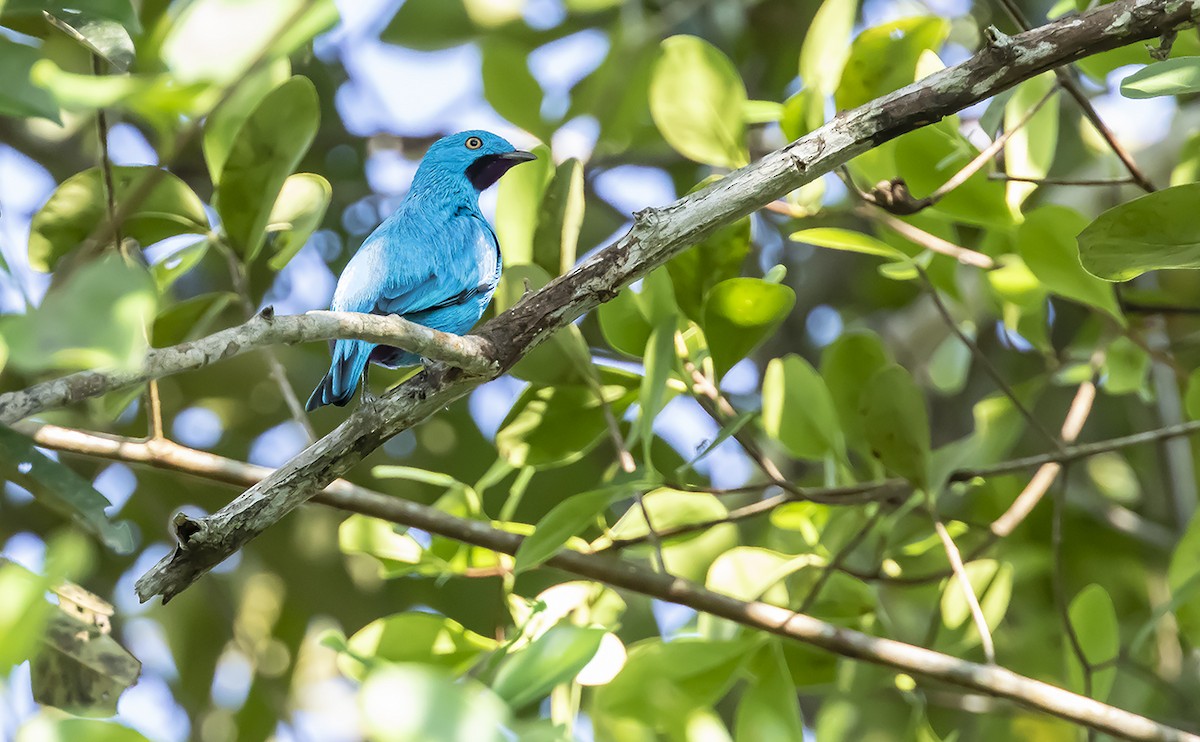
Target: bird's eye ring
x,y
474,142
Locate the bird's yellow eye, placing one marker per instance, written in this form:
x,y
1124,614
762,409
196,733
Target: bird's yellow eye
x,y
474,142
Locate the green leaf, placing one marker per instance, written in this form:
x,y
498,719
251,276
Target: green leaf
x,y
1094,620
849,240
623,323
428,25
554,657
168,270
688,555
15,12
556,425
1126,366
62,490
884,58
1187,166
78,730
518,206
660,361
663,682
1156,231
103,37
696,100
896,423
267,148
436,705
189,319
564,520
26,610
761,112
559,219
798,410
769,708
1178,76
79,206
222,125
739,314
718,257
218,41
928,157
398,554
1192,397
1030,149
847,364
412,637
19,96
509,86
752,573
1046,242
827,45
297,213
98,318
991,582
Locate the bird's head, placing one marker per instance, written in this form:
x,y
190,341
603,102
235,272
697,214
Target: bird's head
x,y
480,157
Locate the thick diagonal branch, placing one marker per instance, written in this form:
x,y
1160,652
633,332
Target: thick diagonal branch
x,y
471,353
657,236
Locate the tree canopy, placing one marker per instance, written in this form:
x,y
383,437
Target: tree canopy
x,y
839,382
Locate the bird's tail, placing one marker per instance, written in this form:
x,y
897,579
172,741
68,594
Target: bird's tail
x,y
349,359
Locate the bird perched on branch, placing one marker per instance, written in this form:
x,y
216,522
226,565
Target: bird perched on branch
x,y
435,261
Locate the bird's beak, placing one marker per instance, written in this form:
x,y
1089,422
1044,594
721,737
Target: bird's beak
x,y
517,156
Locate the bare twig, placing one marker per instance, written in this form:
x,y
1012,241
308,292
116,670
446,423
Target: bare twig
x,y
1062,181
964,583
839,559
926,240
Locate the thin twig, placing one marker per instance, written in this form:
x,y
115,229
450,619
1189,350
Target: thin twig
x,y
964,583
1062,181
1067,80
1058,504
929,241
154,410
838,560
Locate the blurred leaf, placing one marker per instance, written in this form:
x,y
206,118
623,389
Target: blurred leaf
x,y
1126,366
1094,621
688,555
1029,151
79,206
849,240
1187,167
427,25
552,426
15,12
1046,241
60,727
696,99
798,410
218,41
560,217
896,423
62,490
168,270
518,206
660,361
397,553
752,573
663,682
769,708
884,58
267,148
222,125
623,323
104,37
435,706
1192,397
510,87
928,157
424,638
718,257
1178,76
1158,230
739,314
26,610
991,582
566,519
761,111
98,318
847,364
189,319
827,45
554,657
297,213
81,669
841,717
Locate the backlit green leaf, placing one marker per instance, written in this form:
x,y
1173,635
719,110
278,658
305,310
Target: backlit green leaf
x,y
739,314
798,409
1178,76
554,657
896,423
1094,620
1046,241
1158,230
696,99
297,213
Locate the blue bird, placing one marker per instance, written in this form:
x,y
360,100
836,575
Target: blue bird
x,y
435,261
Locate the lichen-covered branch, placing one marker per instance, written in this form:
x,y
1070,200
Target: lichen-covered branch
x,y
657,236
472,353
988,679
